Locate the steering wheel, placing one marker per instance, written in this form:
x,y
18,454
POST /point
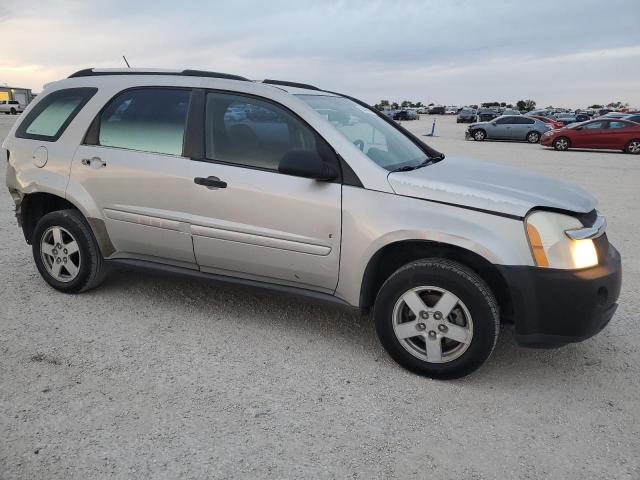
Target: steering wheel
x,y
360,144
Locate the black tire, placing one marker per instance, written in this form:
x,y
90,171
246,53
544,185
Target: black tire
x,y
462,282
479,135
633,147
91,270
13,111
562,144
533,137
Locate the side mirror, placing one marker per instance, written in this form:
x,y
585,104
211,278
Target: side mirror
x,y
494,123
307,164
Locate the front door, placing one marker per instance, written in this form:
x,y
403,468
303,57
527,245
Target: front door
x,y
590,135
251,221
135,173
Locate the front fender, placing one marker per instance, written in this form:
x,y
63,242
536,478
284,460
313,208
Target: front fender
x,y
372,220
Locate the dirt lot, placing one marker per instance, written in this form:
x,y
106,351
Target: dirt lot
x,y
151,377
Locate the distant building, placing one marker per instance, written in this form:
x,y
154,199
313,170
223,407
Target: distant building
x,y
22,95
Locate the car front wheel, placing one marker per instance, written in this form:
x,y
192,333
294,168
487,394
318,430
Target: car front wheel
x,y
561,144
437,318
479,135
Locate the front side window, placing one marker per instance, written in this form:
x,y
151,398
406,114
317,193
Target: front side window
x,y
380,141
147,119
595,126
51,116
251,132
506,120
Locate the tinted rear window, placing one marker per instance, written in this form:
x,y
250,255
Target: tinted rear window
x,y
53,114
146,119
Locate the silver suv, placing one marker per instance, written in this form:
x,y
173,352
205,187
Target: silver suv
x,y
285,186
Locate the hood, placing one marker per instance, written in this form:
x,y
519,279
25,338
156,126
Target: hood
x,y
489,186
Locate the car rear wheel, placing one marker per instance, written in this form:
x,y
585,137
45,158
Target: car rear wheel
x,y
533,137
437,318
561,144
479,135
66,253
633,147
13,111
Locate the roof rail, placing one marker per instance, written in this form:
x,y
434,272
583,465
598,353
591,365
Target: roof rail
x,y
290,84
91,72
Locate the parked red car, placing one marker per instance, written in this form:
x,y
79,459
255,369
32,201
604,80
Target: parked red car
x,y
550,121
602,133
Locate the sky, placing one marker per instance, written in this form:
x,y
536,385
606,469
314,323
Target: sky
x,y
564,53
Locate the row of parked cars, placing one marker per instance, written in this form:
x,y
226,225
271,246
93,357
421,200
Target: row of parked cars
x,y
612,131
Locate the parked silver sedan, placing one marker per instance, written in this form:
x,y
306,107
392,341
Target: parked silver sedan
x,y
508,127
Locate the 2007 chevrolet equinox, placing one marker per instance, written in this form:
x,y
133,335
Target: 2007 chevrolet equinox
x,y
286,186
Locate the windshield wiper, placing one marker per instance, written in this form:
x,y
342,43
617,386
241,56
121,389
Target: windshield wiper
x,y
425,163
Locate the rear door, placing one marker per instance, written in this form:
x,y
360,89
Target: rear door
x,y
252,221
132,167
522,127
618,134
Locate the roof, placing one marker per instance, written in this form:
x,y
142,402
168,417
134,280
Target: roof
x,y
288,86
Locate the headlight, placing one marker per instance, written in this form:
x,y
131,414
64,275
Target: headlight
x,y
550,245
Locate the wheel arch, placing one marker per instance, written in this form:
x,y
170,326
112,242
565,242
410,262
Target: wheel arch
x,y
35,205
396,254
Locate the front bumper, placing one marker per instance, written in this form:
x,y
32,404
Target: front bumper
x,y
547,140
554,307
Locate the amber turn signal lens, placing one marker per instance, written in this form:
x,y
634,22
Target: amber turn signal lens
x,y
536,246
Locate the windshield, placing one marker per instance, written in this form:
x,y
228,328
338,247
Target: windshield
x,y
380,141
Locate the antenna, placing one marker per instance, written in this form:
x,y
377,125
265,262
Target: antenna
x,y
125,61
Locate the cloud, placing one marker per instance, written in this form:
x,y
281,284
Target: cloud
x,y
457,51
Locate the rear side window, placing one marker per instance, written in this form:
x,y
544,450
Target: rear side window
x,y
524,121
52,115
148,120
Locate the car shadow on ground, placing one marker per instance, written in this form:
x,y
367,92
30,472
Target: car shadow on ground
x,y
587,150
306,317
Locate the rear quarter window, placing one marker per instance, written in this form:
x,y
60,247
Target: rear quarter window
x,y
52,115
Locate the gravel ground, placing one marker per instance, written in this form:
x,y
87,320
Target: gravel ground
x,y
152,377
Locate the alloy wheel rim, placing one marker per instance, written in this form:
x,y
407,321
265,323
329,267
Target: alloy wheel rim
x,y
534,137
478,136
60,254
634,147
562,144
432,324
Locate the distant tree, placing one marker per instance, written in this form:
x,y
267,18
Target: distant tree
x,y
395,106
490,104
509,105
430,105
418,105
503,104
595,106
617,105
406,104
526,105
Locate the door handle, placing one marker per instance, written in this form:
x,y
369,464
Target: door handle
x,y
211,183
95,162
